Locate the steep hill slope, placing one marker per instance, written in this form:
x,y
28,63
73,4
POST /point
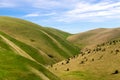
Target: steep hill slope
x,y
99,63
59,33
16,64
43,45
93,37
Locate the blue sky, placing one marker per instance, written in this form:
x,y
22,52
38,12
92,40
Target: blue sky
x,y
73,16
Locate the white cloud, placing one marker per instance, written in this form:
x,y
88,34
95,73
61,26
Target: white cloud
x,y
39,14
48,14
6,4
68,10
44,4
52,4
32,15
91,12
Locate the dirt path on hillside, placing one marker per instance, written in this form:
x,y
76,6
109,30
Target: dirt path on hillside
x,y
24,54
38,73
17,49
57,43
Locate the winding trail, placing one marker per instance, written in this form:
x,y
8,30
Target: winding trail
x,y
55,41
24,54
17,49
38,73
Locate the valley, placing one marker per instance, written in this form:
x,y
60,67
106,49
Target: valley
x,y
29,51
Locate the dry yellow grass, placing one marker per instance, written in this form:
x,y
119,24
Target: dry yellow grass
x,y
93,37
96,65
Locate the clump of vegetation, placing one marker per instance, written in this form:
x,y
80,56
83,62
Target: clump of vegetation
x,y
103,49
68,60
115,72
67,69
32,40
51,65
92,59
62,63
51,56
82,62
116,51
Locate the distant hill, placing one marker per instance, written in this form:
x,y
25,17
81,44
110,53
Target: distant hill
x,y
93,37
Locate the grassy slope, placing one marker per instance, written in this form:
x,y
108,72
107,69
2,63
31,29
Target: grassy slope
x,y
15,67
98,64
59,33
38,41
93,37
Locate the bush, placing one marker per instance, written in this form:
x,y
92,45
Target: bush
x,y
51,56
82,62
32,40
67,69
116,72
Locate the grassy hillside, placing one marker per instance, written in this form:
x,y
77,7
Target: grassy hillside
x,y
15,64
59,33
102,62
46,46
93,37
30,52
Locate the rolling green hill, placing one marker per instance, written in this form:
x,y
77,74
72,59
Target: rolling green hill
x,y
16,64
59,33
27,48
94,37
31,52
41,43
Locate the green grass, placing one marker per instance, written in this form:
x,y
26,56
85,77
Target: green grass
x,y
29,34
28,49
57,32
4,45
14,67
67,46
30,38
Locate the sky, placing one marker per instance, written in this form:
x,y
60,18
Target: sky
x,y
73,16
